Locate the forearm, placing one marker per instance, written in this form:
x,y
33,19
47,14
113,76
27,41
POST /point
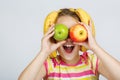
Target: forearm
x,y
33,68
110,63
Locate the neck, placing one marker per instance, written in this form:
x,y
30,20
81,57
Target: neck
x,y
72,61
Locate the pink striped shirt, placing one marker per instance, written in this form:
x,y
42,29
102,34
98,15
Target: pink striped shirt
x,y
85,69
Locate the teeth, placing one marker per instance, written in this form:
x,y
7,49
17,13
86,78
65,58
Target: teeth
x,y
68,45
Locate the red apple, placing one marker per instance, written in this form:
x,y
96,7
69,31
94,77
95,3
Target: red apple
x,y
78,33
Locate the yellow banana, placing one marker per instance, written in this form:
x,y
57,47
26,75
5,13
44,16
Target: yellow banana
x,y
83,15
50,19
85,18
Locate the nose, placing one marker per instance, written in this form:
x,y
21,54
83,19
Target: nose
x,y
68,39
68,36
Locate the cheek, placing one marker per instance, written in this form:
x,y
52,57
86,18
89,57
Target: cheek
x,y
60,50
77,47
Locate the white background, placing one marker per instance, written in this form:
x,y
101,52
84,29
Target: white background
x,y
21,29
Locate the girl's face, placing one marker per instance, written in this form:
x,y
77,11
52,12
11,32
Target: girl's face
x,y
68,51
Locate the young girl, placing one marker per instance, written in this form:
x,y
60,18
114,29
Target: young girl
x,y
70,64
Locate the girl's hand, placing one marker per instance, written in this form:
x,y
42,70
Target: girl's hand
x,y
47,46
91,42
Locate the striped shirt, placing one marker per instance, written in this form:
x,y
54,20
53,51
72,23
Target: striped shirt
x,y
85,69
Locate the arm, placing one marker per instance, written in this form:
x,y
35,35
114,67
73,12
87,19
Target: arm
x,y
36,70
31,71
109,66
103,71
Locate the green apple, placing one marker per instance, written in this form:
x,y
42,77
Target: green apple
x,y
61,32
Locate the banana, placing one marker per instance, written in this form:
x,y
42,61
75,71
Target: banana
x,y
51,19
85,18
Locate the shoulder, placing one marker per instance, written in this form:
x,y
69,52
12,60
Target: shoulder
x,y
88,55
91,59
50,64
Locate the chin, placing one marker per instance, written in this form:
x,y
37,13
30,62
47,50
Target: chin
x,y
69,58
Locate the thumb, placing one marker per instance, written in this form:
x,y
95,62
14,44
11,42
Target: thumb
x,y
90,25
81,44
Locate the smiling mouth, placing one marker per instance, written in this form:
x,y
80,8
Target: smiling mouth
x,y
68,48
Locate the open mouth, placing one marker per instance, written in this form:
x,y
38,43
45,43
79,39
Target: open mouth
x,y
68,48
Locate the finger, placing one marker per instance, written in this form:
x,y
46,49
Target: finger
x,y
78,43
86,26
90,23
83,24
50,35
51,29
81,44
52,26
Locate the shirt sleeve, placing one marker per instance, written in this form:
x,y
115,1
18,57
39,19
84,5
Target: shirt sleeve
x,y
94,62
49,65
